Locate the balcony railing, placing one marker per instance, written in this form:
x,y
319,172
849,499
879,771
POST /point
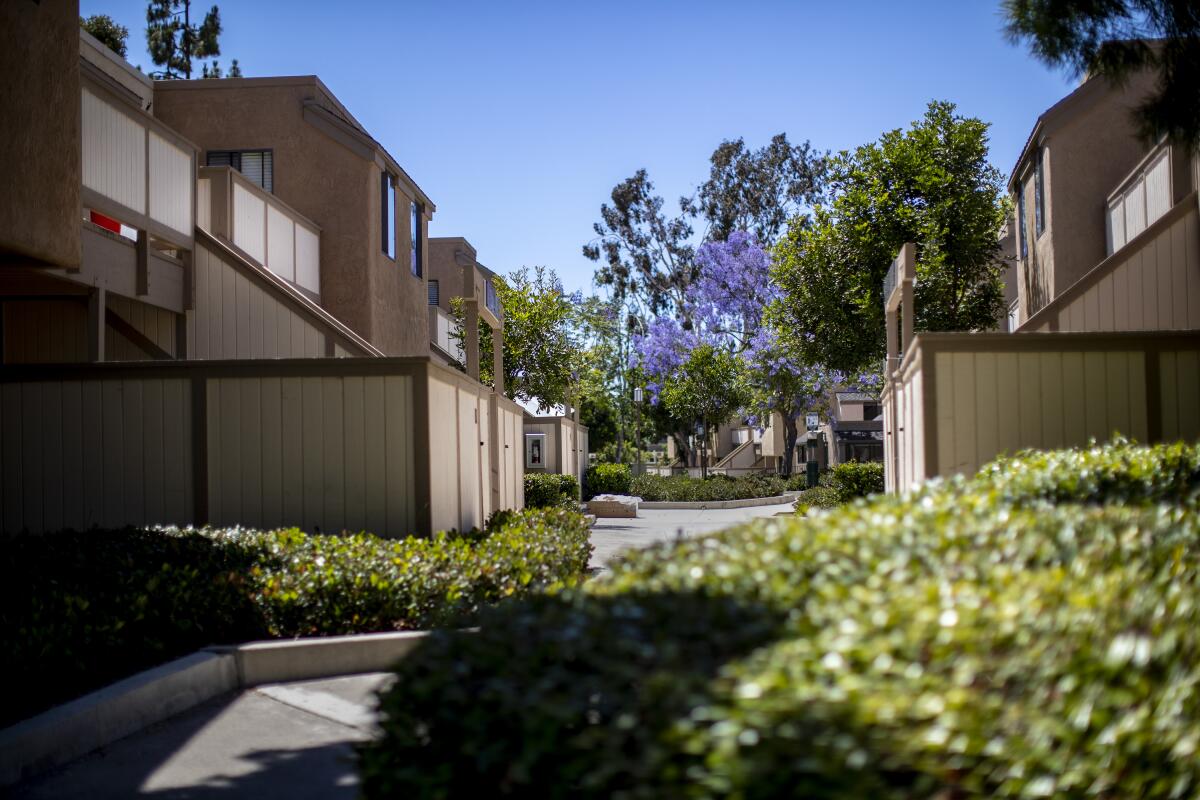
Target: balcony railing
x,y
135,169
444,333
268,230
1143,197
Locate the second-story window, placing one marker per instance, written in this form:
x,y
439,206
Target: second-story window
x,y
415,237
1022,239
257,165
435,293
387,214
1039,192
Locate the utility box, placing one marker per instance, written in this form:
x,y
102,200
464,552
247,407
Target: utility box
x,y
812,473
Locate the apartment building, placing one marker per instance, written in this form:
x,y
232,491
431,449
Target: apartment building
x,y
184,344
1108,318
292,138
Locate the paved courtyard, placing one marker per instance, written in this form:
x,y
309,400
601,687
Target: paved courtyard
x,y
296,740
611,536
292,740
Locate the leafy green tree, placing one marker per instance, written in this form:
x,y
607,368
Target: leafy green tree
x,y
1116,38
758,191
931,185
540,348
706,389
173,40
105,28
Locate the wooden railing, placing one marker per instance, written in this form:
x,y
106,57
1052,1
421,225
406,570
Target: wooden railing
x,y
135,169
266,229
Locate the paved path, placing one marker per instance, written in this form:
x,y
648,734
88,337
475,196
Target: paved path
x,y
611,536
292,740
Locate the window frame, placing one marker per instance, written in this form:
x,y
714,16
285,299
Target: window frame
x,y
416,245
1022,234
1039,192
387,214
236,155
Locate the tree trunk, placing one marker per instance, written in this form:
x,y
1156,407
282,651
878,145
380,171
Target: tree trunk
x,y
704,452
790,434
681,448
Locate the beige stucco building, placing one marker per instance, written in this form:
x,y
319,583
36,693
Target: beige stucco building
x,y
225,324
1108,334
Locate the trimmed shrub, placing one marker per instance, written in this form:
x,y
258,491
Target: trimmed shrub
x,y
84,609
607,479
551,490
681,488
856,479
968,640
816,497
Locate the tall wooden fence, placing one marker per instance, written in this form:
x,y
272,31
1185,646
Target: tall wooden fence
x,y
330,445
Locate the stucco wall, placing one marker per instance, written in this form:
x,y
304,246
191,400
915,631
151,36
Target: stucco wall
x,y
40,157
327,182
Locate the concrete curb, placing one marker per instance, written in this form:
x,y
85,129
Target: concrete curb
x,y
749,502
74,729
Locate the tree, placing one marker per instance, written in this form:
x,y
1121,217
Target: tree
x,y
174,41
1116,38
647,257
758,191
104,28
540,350
235,71
931,185
707,389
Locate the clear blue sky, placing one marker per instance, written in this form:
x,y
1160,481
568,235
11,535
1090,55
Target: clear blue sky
x,y
519,118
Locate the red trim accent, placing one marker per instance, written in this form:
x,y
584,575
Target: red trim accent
x,y
108,223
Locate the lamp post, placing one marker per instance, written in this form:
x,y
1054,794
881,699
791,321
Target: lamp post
x,y
637,401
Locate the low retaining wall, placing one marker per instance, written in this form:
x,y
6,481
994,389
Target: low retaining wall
x,y
74,729
748,502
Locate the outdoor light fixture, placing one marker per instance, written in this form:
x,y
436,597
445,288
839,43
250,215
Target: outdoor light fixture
x,y
637,394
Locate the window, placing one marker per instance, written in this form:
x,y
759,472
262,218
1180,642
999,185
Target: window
x,y
1023,241
387,214
490,298
871,410
257,165
435,293
1039,189
415,238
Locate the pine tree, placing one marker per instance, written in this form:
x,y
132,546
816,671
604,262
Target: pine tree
x,y
174,41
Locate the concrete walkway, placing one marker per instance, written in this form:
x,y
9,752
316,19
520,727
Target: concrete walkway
x,y
288,740
611,536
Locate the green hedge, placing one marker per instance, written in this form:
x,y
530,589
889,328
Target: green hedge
x,y
856,479
816,497
681,488
551,490
607,479
969,640
84,609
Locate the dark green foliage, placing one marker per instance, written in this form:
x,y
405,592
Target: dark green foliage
x,y
856,479
83,609
1117,38
106,29
607,479
758,191
550,490
681,488
968,640
816,497
173,39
